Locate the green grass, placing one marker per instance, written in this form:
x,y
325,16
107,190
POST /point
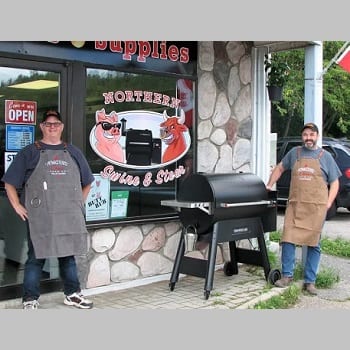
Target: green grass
x,y
327,277
282,301
275,236
337,247
273,259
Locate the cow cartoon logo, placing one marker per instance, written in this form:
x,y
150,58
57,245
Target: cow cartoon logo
x,y
172,134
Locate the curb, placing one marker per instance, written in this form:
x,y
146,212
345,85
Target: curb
x,y
263,297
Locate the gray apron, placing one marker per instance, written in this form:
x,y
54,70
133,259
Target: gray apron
x,y
54,201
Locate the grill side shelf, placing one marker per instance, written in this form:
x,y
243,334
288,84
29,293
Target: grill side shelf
x,y
204,206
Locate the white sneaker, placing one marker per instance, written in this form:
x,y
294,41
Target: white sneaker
x,y
31,304
78,301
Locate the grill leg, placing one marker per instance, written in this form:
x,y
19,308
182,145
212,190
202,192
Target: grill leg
x,y
233,258
179,255
264,255
211,262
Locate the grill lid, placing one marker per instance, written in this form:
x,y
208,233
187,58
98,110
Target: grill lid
x,y
223,190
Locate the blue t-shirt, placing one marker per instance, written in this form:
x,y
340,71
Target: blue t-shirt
x,y
329,167
27,159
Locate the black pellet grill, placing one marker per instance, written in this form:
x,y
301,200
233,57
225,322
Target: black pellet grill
x,y
219,208
138,147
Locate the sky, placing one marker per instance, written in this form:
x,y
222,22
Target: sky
x,y
181,20
8,73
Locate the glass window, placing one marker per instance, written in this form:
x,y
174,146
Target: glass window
x,y
139,142
24,95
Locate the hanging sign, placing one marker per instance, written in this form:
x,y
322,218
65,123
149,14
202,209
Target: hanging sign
x,y
20,112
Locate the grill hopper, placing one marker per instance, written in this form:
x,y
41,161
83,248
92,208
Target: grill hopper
x,y
216,197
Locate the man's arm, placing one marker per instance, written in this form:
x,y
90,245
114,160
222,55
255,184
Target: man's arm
x,y
86,190
275,175
14,200
332,193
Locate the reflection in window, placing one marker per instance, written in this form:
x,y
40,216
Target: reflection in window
x,y
19,84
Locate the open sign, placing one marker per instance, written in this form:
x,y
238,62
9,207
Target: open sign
x,y
20,112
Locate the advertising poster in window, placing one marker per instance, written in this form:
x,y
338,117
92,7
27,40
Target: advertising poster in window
x,y
97,202
119,204
19,136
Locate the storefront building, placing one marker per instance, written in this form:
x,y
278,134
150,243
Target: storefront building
x,y
116,99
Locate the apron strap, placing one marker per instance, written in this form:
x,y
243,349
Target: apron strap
x,y
37,145
298,152
321,153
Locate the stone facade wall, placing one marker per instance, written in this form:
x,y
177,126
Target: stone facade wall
x,y
224,129
224,107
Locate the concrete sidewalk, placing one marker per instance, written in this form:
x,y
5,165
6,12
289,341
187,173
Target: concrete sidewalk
x,y
240,291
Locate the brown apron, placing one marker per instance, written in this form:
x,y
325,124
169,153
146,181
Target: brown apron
x,y
307,203
54,201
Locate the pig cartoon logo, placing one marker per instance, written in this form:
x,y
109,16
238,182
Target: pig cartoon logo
x,y
107,134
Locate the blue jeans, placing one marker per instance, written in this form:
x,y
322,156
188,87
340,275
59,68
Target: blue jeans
x,y
33,270
313,256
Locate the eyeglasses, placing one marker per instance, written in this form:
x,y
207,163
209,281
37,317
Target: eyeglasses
x,y
54,124
109,126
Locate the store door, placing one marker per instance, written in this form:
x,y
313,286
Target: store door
x,y
26,91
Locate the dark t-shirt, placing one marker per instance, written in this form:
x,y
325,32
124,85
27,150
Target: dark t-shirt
x,y
27,159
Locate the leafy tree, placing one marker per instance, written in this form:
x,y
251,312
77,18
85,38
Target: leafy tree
x,y
288,115
336,94
289,112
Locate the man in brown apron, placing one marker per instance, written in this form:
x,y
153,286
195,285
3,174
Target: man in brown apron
x,y
313,188
56,179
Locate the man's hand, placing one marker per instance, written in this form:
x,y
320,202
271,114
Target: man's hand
x,y
21,211
14,200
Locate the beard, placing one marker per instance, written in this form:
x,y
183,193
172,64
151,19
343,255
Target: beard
x,y
310,144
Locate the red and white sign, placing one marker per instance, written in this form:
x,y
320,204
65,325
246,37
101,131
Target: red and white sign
x,y
344,60
20,112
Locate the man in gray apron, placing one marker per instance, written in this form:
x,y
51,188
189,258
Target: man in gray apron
x,y
313,188
56,179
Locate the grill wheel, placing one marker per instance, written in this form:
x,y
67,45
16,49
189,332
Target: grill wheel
x,y
273,276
